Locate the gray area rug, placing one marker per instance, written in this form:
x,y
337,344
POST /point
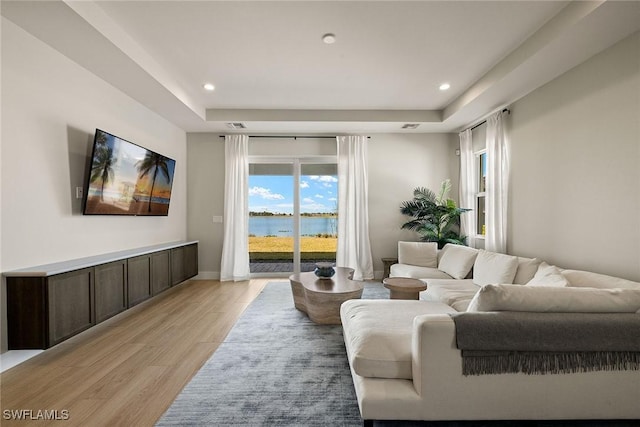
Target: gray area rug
x,y
277,368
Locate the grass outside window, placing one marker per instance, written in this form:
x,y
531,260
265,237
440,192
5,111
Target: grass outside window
x,y
278,248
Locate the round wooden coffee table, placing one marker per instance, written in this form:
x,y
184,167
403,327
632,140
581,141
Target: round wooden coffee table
x,y
321,298
404,287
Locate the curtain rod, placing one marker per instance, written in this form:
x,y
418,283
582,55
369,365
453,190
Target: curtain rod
x,y
506,110
290,136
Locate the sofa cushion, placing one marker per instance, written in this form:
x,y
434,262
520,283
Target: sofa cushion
x,y
378,334
454,293
527,268
551,299
548,275
457,260
588,279
415,272
421,254
545,269
551,280
492,267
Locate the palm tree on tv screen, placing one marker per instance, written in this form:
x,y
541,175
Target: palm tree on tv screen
x,y
102,167
153,162
101,139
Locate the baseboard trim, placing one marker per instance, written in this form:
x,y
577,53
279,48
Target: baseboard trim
x,y
207,275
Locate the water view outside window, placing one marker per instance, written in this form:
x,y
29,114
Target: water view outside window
x,y
272,220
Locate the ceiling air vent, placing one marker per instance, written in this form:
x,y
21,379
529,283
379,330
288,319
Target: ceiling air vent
x,y
236,125
410,125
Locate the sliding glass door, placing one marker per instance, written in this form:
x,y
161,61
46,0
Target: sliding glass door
x,y
318,185
271,217
292,213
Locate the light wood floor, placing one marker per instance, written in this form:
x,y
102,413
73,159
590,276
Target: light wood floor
x,y
127,371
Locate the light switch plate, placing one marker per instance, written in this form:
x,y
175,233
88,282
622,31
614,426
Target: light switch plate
x,y
217,219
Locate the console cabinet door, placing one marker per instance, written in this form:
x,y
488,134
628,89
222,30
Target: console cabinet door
x,y
177,265
111,289
160,272
190,261
71,304
27,313
139,279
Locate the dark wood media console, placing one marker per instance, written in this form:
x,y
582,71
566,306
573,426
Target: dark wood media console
x,y
50,303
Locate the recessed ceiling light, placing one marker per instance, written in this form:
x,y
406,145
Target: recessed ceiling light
x,y
208,86
445,86
329,38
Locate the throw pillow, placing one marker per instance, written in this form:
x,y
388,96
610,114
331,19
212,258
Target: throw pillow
x,y
548,275
556,300
551,280
545,269
492,267
527,268
422,254
457,260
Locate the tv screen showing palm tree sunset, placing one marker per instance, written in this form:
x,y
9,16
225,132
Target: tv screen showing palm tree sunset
x,y
126,179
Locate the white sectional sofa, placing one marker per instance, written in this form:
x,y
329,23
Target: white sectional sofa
x,y
405,360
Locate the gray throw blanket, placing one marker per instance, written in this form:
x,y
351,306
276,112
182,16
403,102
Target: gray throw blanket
x,y
547,343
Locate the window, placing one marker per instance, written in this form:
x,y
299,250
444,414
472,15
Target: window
x,y
481,161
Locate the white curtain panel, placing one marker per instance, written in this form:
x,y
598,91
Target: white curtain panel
x,y
235,246
468,187
497,183
354,248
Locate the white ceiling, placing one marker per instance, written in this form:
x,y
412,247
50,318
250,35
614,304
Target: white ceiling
x,y
273,72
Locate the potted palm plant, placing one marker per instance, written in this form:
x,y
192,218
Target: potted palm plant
x,y
435,217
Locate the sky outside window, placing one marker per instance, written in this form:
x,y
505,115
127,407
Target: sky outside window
x,y
274,193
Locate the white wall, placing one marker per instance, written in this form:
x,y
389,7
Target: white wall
x,y
397,164
51,107
205,194
575,183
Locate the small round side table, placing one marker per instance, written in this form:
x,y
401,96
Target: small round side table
x,y
404,287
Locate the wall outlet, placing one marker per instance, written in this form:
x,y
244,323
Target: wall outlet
x,y
79,191
217,219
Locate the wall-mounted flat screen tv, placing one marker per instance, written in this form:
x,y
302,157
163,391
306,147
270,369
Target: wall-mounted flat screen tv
x,y
126,179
